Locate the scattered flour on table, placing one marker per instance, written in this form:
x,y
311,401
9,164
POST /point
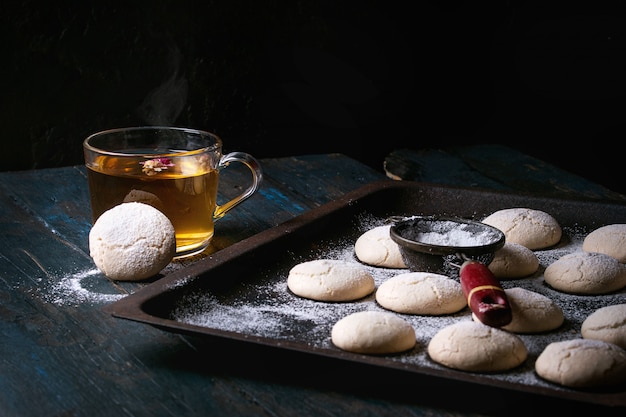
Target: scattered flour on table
x,y
74,289
86,286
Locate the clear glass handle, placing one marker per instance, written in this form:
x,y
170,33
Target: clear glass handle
x,y
257,176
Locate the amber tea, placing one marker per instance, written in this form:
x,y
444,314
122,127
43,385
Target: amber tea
x,y
174,170
188,199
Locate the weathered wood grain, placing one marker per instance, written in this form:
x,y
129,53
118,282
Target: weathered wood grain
x,y
495,167
61,355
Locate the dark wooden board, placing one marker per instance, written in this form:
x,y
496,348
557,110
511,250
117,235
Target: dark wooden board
x,y
492,166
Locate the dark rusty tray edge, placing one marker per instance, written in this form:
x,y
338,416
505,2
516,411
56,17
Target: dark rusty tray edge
x,y
131,306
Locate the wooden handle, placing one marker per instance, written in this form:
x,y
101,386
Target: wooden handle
x,y
485,297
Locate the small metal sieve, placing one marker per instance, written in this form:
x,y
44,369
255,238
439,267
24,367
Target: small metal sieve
x,y
430,243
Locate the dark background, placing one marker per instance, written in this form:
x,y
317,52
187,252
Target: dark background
x,y
284,77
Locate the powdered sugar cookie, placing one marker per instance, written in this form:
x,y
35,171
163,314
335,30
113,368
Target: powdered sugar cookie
x,y
582,363
330,280
514,261
421,293
608,324
586,273
375,247
532,228
132,241
473,346
609,239
532,312
373,332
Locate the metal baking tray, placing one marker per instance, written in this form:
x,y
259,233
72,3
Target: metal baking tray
x,y
240,292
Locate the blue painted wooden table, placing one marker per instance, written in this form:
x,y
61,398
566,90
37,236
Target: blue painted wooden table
x,y
62,355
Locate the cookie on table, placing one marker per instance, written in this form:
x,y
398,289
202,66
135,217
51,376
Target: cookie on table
x,y
373,332
141,196
421,293
132,241
606,323
514,261
330,280
609,239
582,363
532,228
472,346
531,312
375,247
588,273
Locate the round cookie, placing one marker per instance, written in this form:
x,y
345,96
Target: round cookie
x,y
513,261
330,280
608,324
472,346
376,248
532,312
373,332
532,228
421,293
586,273
609,239
582,363
141,196
132,241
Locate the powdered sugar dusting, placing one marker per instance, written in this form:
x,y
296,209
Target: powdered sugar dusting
x,y
91,286
73,289
449,233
